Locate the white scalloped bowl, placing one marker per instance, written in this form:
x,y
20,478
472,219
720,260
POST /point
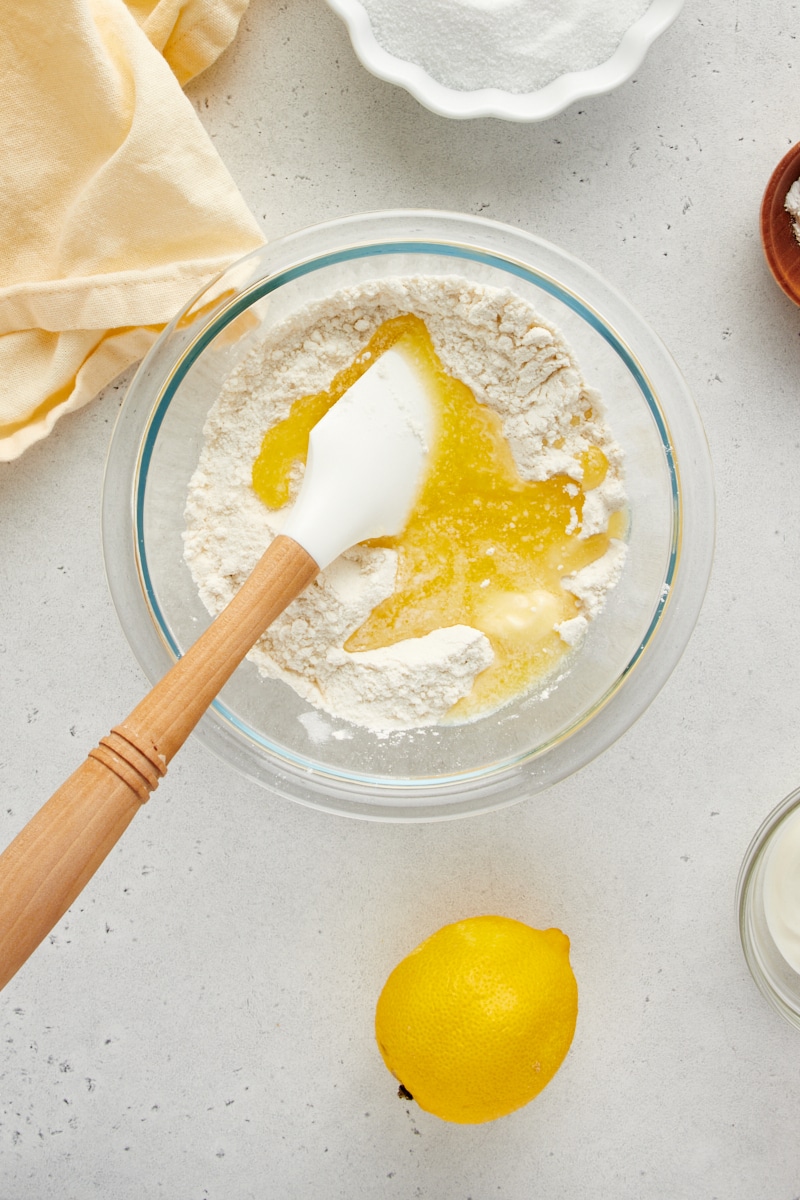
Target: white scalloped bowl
x,y
494,102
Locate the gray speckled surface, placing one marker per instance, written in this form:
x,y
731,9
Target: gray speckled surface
x,y
200,1024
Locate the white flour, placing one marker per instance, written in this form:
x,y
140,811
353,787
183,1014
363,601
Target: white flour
x,y
495,343
516,45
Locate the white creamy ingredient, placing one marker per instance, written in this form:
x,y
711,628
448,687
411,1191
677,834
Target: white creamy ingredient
x,y
792,206
782,890
516,45
496,344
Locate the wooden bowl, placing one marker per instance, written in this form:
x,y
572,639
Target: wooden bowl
x,y
781,248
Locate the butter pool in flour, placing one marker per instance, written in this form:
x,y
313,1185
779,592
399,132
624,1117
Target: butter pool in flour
x,y
513,363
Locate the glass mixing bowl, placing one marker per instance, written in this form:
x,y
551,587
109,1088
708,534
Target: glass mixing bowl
x,y
260,726
774,976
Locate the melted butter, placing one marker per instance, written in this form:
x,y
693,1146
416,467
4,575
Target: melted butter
x,y
482,547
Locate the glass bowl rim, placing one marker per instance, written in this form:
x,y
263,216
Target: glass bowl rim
x,y
752,859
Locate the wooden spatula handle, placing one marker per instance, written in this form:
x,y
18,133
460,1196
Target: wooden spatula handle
x,y
54,856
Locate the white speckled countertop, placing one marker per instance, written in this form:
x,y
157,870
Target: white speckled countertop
x,y
200,1024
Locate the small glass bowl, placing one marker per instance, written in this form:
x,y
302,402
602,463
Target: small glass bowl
x,y
263,728
546,102
773,975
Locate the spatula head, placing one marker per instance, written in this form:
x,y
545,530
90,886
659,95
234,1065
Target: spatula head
x,y
366,460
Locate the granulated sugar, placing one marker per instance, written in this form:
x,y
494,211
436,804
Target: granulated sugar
x,y
518,46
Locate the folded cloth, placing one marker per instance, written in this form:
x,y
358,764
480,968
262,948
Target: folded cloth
x,y
189,33
116,208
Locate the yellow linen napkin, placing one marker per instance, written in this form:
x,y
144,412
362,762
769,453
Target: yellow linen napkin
x,y
116,208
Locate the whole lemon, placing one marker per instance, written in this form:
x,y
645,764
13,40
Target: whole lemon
x,y
478,1019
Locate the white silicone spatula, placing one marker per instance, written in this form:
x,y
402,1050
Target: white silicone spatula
x,y
365,464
